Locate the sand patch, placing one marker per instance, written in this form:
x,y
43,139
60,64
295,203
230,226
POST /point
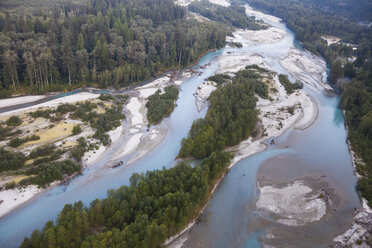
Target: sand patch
x,y
223,3
331,39
91,156
15,197
19,100
115,134
202,94
294,204
266,36
134,107
233,63
131,144
261,16
307,70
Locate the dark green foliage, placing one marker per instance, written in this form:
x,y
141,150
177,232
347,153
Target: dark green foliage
x,y
236,44
219,78
5,132
62,45
160,105
76,130
230,119
349,70
41,113
85,112
51,171
336,72
110,120
18,141
11,185
5,93
65,108
11,160
233,15
42,151
14,121
255,76
357,102
78,152
257,68
105,97
288,86
45,154
155,206
308,21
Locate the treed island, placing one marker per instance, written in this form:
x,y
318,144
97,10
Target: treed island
x,y
57,46
349,59
159,204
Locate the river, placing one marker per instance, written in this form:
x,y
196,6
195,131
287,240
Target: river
x,y
319,153
230,220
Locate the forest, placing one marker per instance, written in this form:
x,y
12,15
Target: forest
x,y
155,205
58,45
231,116
352,77
161,105
159,204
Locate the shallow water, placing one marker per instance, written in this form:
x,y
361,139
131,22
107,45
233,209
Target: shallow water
x,y
231,219
96,181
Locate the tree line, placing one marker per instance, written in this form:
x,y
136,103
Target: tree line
x,y
159,204
63,45
156,205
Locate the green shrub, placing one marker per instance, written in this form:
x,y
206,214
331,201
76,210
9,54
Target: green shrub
x,y
76,130
14,121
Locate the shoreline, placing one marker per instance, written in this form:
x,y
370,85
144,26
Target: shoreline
x,y
248,147
364,212
159,131
168,242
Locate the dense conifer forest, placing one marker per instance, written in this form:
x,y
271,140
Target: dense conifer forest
x,y
161,203
59,45
161,105
231,116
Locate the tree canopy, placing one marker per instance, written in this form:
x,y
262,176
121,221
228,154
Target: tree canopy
x,y
58,45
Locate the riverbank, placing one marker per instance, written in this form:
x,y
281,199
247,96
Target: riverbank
x,y
280,111
274,118
13,198
362,220
57,134
139,138
142,139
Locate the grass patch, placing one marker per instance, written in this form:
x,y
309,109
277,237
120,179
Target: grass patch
x,y
59,131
